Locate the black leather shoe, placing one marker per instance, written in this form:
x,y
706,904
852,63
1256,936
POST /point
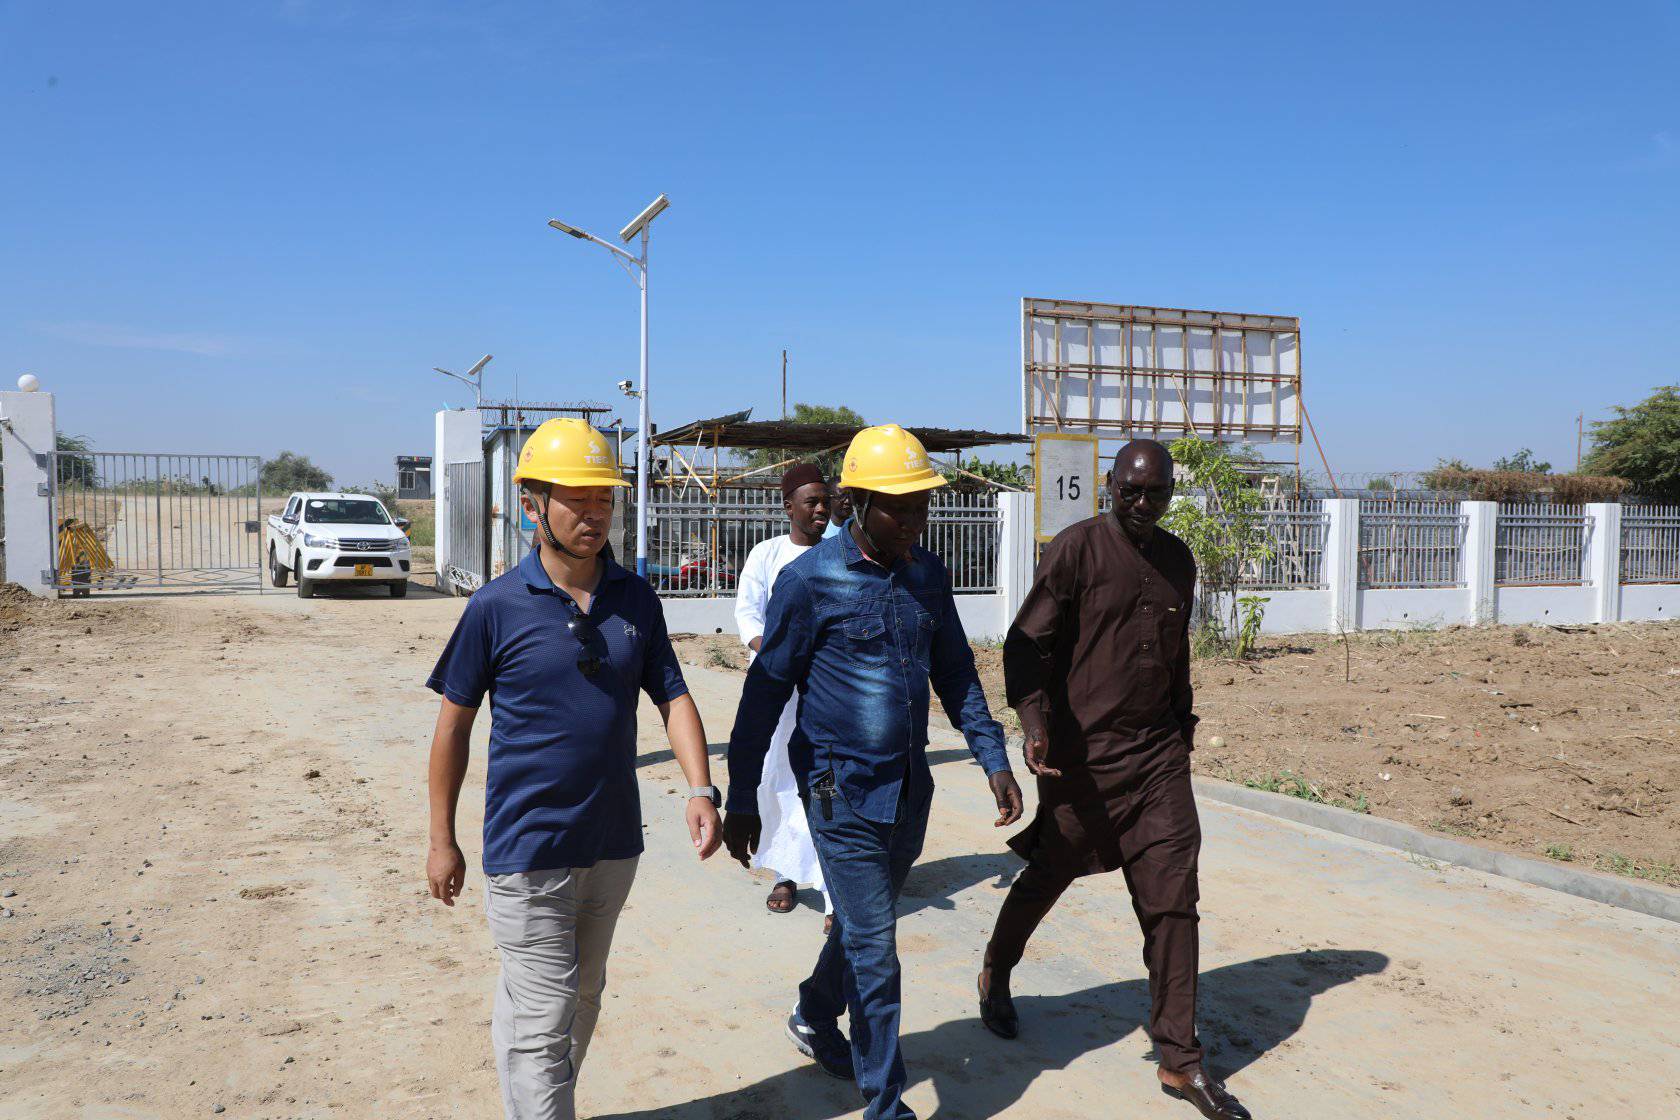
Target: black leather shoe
x,y
1210,1098
998,1014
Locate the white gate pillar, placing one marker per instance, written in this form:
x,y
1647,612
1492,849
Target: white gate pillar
x,y
1481,523
1604,560
28,436
1341,562
1017,553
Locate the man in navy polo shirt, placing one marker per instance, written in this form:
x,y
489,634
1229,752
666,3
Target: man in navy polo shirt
x,y
562,644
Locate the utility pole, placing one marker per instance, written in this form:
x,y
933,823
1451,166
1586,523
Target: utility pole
x,y
1580,429
784,384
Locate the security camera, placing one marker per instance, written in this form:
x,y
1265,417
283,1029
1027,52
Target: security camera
x,y
624,386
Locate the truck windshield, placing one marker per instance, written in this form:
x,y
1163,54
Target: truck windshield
x,y
345,511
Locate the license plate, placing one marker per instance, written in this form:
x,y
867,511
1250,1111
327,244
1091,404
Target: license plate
x,y
364,569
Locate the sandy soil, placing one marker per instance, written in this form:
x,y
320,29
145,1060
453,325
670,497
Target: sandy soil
x,y
1552,741
211,839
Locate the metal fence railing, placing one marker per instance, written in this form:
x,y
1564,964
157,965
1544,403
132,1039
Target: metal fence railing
x,y
122,520
698,542
1539,544
1411,543
1650,544
1296,531
965,529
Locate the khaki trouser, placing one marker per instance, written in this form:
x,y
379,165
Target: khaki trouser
x,y
554,930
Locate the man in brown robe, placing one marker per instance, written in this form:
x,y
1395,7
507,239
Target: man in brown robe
x,y
1097,665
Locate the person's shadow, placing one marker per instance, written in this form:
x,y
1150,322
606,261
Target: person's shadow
x,y
1246,1010
931,885
717,752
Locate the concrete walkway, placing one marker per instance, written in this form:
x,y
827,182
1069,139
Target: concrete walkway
x,y
1340,979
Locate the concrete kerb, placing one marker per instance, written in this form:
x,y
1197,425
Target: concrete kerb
x,y
1658,902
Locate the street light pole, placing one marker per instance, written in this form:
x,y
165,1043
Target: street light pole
x,y
473,379
637,267
642,457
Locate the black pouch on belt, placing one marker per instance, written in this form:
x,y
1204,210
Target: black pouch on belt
x,y
823,790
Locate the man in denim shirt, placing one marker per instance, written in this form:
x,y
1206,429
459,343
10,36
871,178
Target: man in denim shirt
x,y
858,625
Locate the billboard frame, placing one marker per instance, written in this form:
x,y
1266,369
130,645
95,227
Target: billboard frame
x,y
1178,387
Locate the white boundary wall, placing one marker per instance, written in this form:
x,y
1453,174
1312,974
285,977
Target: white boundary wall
x,y
1346,605
1342,604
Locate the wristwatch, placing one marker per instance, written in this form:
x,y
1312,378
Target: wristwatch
x,y
710,793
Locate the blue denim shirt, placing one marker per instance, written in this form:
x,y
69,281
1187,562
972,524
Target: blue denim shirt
x,y
860,645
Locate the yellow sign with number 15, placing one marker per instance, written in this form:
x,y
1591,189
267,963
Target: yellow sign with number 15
x,y
1065,481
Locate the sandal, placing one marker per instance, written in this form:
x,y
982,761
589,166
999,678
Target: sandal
x,y
781,898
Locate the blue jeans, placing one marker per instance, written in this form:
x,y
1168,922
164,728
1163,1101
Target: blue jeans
x,y
864,865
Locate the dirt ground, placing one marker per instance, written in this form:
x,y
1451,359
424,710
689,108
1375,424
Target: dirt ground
x,y
212,830
1561,742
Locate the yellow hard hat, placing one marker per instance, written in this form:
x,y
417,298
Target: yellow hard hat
x,y
568,452
888,460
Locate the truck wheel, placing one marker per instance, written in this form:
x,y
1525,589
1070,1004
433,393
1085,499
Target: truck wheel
x,y
276,573
306,588
399,590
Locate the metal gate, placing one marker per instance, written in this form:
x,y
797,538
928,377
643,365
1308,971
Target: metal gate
x,y
468,534
123,520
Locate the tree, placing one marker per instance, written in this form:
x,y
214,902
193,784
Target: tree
x,y
289,471
828,462
1016,475
1227,536
1449,474
1642,445
75,461
384,491
1522,462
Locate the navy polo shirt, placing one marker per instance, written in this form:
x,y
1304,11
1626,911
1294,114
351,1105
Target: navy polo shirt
x,y
561,790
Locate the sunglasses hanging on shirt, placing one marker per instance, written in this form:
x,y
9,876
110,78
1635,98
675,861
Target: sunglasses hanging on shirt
x,y
591,647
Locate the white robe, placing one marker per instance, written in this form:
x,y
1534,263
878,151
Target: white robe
x,y
785,840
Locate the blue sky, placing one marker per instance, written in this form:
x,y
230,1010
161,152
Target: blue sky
x,y
241,227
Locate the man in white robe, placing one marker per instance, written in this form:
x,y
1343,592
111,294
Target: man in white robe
x,y
785,848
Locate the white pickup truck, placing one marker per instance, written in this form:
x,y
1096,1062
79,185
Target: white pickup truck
x,y
341,538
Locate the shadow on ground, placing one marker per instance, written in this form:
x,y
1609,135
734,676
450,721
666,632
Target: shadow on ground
x,y
348,589
717,752
932,885
1248,1009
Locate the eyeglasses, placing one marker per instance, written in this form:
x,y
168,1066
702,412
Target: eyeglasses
x,y
1126,495
590,645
